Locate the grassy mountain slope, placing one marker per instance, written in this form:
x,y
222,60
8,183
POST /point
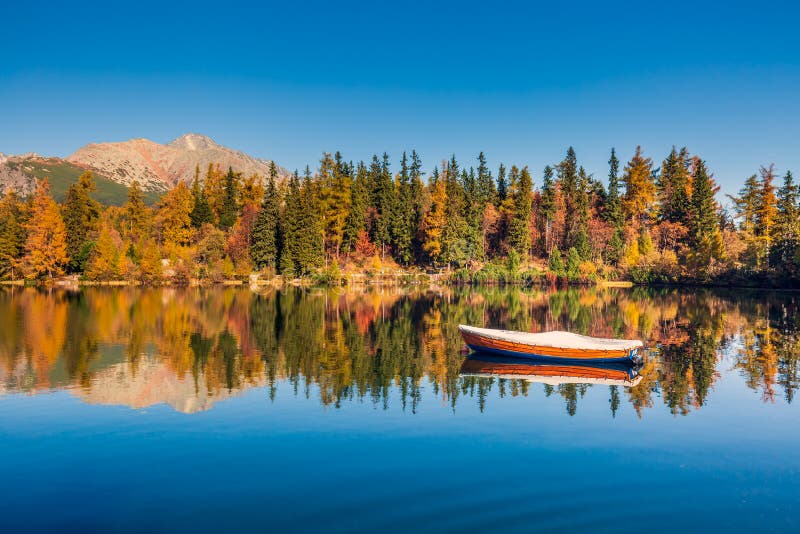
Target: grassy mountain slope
x,y
62,174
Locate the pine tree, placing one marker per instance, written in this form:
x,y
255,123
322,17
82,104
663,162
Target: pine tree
x,y
573,263
746,205
46,243
703,221
417,204
519,232
201,212
473,216
403,230
580,225
264,248
454,243
81,215
12,233
502,185
785,252
230,203
310,252
359,202
335,184
384,202
613,212
547,207
672,187
486,191
556,264
290,225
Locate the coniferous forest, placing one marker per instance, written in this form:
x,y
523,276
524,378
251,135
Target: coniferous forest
x,y
646,222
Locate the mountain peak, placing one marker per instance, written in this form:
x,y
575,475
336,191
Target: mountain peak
x,y
194,141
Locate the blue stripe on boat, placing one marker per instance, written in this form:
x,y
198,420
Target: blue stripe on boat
x,y
540,357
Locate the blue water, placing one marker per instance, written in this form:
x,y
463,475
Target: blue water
x,y
271,459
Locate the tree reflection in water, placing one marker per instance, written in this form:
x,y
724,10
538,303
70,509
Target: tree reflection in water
x,y
192,347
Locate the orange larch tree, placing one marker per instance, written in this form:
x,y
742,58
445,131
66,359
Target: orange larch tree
x,y
46,245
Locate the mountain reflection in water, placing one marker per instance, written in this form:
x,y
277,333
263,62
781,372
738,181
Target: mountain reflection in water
x,y
190,348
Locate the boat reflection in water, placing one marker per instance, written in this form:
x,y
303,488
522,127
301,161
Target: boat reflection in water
x,y
484,365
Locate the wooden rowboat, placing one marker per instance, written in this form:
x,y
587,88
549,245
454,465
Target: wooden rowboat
x,y
484,365
563,346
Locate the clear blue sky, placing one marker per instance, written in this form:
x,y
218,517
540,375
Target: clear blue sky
x,y
519,81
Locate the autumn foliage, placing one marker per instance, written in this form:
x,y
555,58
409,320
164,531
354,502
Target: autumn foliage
x,y
645,222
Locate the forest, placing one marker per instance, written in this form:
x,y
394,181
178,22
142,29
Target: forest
x,y
646,223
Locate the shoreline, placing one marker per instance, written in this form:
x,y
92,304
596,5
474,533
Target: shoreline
x,y
396,279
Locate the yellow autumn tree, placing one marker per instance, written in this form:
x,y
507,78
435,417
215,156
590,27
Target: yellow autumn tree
x,y
252,191
640,188
46,244
174,217
214,186
150,269
435,220
104,261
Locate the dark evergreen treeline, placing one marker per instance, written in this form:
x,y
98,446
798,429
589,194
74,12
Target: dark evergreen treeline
x,y
647,222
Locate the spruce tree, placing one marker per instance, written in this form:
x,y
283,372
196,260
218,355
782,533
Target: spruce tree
x,y
568,178
417,204
403,218
290,228
264,239
359,202
580,227
502,185
455,229
556,263
201,212
81,215
703,222
785,252
12,233
230,202
486,191
473,215
310,252
573,263
519,233
613,213
672,187
547,207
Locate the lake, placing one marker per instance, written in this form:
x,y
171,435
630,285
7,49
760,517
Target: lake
x,y
226,409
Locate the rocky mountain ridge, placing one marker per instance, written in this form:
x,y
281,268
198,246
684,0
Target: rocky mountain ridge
x,y
157,167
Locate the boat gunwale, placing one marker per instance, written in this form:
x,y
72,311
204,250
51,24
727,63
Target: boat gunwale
x,y
518,339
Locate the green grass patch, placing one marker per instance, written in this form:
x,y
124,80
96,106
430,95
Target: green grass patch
x,y
62,174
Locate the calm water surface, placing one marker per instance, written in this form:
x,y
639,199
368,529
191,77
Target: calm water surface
x,y
225,409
